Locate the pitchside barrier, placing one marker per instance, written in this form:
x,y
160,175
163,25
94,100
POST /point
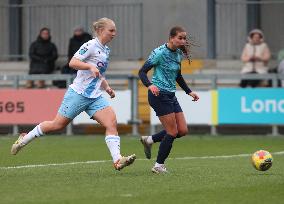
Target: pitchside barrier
x,y
232,106
20,106
121,105
236,106
195,112
217,106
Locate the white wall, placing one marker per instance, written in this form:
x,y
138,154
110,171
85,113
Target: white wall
x,y
199,112
121,105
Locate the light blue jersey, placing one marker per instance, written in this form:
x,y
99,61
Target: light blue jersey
x,y
85,94
95,53
167,64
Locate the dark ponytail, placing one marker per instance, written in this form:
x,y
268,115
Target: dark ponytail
x,y
189,42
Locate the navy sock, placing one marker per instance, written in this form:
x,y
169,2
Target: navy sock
x,y
165,148
178,136
158,137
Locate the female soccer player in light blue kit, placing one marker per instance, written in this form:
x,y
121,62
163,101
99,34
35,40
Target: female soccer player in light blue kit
x,y
166,61
85,94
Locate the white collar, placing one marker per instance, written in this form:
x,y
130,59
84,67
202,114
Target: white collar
x,y
99,42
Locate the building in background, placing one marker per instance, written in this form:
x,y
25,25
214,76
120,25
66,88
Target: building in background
x,y
220,26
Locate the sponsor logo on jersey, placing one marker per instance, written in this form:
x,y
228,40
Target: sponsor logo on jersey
x,y
83,50
100,64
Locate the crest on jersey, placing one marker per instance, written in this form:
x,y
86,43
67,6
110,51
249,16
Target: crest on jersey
x,y
83,50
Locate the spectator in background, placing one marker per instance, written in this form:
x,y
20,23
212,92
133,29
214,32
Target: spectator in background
x,y
280,55
43,54
281,70
78,39
255,56
278,69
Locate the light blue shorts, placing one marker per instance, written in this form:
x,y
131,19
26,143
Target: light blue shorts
x,y
73,104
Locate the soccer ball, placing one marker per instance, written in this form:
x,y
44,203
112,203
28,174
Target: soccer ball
x,y
261,160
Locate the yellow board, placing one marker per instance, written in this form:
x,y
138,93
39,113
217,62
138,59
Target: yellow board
x,y
193,66
143,106
187,68
214,107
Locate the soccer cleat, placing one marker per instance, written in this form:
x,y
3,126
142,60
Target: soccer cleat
x,y
18,145
124,161
159,169
147,147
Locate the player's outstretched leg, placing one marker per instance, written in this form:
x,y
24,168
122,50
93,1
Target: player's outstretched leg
x,y
58,123
107,118
163,153
147,142
124,161
159,168
119,162
18,145
25,138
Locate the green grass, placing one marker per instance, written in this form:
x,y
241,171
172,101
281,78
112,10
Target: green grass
x,y
192,180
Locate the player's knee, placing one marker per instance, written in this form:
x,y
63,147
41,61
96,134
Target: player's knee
x,y
173,133
183,132
113,123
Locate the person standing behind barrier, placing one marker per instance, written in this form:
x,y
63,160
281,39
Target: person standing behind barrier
x,y
280,67
78,39
255,57
43,54
85,94
281,70
166,61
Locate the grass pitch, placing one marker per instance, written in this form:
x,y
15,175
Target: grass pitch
x,y
55,169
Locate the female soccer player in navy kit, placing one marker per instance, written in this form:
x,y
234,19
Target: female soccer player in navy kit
x,y
166,61
85,94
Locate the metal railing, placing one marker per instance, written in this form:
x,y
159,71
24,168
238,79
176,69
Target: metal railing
x,y
132,85
212,80
215,80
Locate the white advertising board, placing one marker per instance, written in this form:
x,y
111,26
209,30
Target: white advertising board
x,y
198,112
121,105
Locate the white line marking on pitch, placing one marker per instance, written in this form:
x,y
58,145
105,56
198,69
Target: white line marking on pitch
x,y
126,195
104,161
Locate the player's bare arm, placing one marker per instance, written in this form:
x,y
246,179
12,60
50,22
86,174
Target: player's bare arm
x,y
107,88
79,65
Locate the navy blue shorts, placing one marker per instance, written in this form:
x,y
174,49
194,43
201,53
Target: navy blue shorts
x,y
165,103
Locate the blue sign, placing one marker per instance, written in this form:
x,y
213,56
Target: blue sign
x,y
251,106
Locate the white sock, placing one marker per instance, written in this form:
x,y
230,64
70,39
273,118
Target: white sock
x,y
113,144
36,132
149,140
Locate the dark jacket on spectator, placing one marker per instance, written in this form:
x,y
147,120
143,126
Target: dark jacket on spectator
x,y
43,54
75,43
